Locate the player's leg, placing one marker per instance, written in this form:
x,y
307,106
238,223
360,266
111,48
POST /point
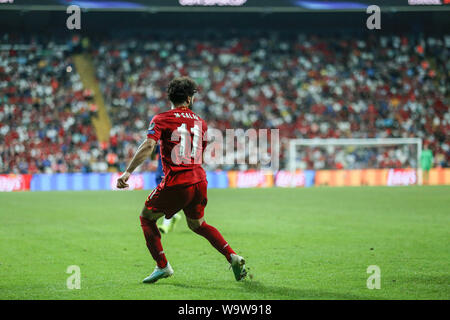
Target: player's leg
x,y
153,240
153,236
427,176
196,222
169,201
213,235
165,225
168,225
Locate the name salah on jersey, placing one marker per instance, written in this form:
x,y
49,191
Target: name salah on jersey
x,y
186,115
177,115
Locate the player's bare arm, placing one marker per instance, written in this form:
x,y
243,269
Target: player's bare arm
x,y
144,151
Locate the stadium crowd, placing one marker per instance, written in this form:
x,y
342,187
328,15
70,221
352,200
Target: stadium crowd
x,y
45,113
308,87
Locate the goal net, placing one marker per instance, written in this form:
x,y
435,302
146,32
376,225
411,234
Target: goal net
x,y
355,154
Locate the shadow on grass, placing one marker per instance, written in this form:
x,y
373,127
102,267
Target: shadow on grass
x,y
261,291
268,291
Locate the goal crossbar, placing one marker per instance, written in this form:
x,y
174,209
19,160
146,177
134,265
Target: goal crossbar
x,y
293,143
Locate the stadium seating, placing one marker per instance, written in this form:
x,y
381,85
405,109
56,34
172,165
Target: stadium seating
x,y
309,86
44,110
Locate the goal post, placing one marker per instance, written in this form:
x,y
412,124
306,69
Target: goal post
x,y
294,144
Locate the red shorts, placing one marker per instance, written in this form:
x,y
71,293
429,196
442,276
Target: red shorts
x,y
191,199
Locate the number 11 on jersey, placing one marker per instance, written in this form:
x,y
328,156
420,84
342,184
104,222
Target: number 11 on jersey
x,y
185,138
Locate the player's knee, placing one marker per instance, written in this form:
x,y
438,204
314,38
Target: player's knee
x,y
194,224
149,214
145,214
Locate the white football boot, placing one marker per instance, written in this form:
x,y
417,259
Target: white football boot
x,y
238,266
159,273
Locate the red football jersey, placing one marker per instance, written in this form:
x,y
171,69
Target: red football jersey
x,y
183,140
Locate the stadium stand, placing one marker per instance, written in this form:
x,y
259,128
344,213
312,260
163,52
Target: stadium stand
x,y
309,87
45,111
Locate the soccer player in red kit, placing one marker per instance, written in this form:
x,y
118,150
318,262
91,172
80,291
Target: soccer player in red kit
x,y
184,187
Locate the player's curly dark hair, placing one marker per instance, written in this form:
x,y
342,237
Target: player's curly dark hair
x,y
180,89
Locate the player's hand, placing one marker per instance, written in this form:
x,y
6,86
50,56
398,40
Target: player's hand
x,y
122,181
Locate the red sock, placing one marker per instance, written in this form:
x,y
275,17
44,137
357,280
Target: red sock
x,y
153,239
215,238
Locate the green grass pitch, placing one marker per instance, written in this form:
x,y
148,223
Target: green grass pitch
x,y
299,244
